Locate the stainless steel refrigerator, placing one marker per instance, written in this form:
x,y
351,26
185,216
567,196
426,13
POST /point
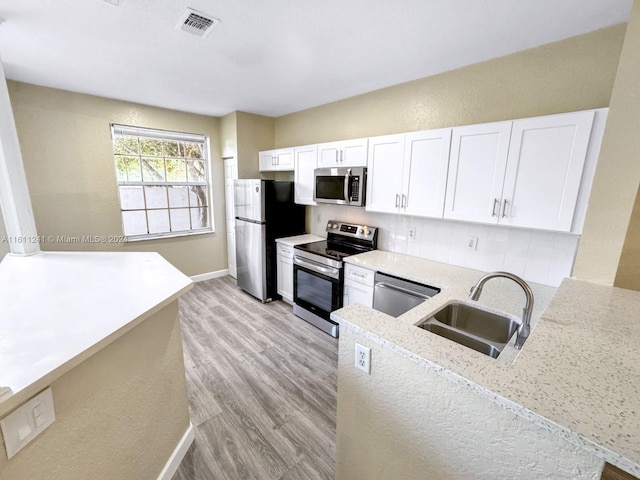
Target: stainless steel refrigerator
x,y
264,211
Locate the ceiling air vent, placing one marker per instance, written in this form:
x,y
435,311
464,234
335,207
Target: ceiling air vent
x,y
197,23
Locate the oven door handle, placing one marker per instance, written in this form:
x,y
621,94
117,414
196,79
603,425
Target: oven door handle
x,y
328,271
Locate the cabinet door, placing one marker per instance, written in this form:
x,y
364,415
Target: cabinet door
x,y
544,170
354,153
266,160
346,153
476,172
384,173
305,161
328,154
284,159
285,277
426,161
355,292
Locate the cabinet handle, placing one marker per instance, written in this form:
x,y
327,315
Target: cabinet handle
x,y
397,200
495,203
504,209
273,161
346,295
403,204
337,156
341,156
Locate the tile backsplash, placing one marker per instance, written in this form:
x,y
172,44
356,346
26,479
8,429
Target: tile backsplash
x,y
537,256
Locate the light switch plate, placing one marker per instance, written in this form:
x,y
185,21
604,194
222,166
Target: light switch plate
x,y
27,422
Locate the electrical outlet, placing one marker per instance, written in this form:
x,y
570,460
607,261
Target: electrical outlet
x,y
412,233
363,358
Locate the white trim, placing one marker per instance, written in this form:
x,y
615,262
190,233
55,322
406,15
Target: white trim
x,y
15,201
209,275
171,467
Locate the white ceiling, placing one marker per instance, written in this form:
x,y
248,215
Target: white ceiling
x,y
272,57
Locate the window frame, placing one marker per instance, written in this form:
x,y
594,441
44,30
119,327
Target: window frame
x,y
164,135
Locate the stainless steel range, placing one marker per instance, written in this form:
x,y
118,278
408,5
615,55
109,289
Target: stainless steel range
x,y
318,272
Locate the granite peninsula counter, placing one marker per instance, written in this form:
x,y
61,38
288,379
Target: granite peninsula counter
x,y
577,376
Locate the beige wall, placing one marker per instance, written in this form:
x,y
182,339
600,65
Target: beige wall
x,y
615,186
628,274
243,135
573,74
119,415
66,148
255,133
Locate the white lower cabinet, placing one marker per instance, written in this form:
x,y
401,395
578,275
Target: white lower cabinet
x,y
358,285
284,265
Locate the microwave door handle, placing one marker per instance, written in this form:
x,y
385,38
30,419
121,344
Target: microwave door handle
x,y
347,186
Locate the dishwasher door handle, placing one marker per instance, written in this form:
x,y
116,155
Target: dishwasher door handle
x,y
406,291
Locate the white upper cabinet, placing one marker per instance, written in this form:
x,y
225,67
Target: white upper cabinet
x,y
305,162
525,173
426,161
544,170
384,173
407,173
276,160
346,153
476,171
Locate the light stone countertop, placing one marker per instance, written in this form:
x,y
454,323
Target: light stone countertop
x,y
299,239
578,373
59,308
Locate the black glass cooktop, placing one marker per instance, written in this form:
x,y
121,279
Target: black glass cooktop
x,y
336,251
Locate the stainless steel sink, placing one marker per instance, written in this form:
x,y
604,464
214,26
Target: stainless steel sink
x,y
482,330
488,325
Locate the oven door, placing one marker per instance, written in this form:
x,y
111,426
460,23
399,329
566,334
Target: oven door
x,y
316,288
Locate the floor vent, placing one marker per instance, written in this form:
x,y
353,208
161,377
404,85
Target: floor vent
x,y
197,23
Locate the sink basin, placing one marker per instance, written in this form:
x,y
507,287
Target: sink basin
x,y
462,339
482,330
488,325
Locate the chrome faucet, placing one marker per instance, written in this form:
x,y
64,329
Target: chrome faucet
x,y
525,327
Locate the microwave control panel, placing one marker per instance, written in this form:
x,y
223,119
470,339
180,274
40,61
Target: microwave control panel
x,y
354,189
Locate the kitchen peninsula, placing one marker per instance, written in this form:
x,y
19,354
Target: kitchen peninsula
x,y
102,330
559,408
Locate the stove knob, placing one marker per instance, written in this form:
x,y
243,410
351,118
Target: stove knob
x,y
360,231
335,225
369,232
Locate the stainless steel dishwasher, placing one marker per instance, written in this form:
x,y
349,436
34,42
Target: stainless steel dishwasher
x,y
395,296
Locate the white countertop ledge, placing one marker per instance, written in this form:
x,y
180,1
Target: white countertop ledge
x,y
59,308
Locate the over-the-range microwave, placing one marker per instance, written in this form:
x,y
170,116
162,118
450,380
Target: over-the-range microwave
x,y
340,185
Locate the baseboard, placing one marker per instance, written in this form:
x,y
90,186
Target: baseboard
x,y
208,276
171,467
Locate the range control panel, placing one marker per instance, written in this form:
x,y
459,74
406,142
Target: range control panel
x,y
364,232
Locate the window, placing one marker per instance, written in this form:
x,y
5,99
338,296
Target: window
x,y
162,182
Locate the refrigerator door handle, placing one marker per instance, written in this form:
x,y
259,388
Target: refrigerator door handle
x,y
248,220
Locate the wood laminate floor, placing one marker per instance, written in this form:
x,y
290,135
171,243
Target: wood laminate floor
x,y
262,388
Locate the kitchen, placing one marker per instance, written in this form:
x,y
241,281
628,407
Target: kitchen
x,y
67,205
